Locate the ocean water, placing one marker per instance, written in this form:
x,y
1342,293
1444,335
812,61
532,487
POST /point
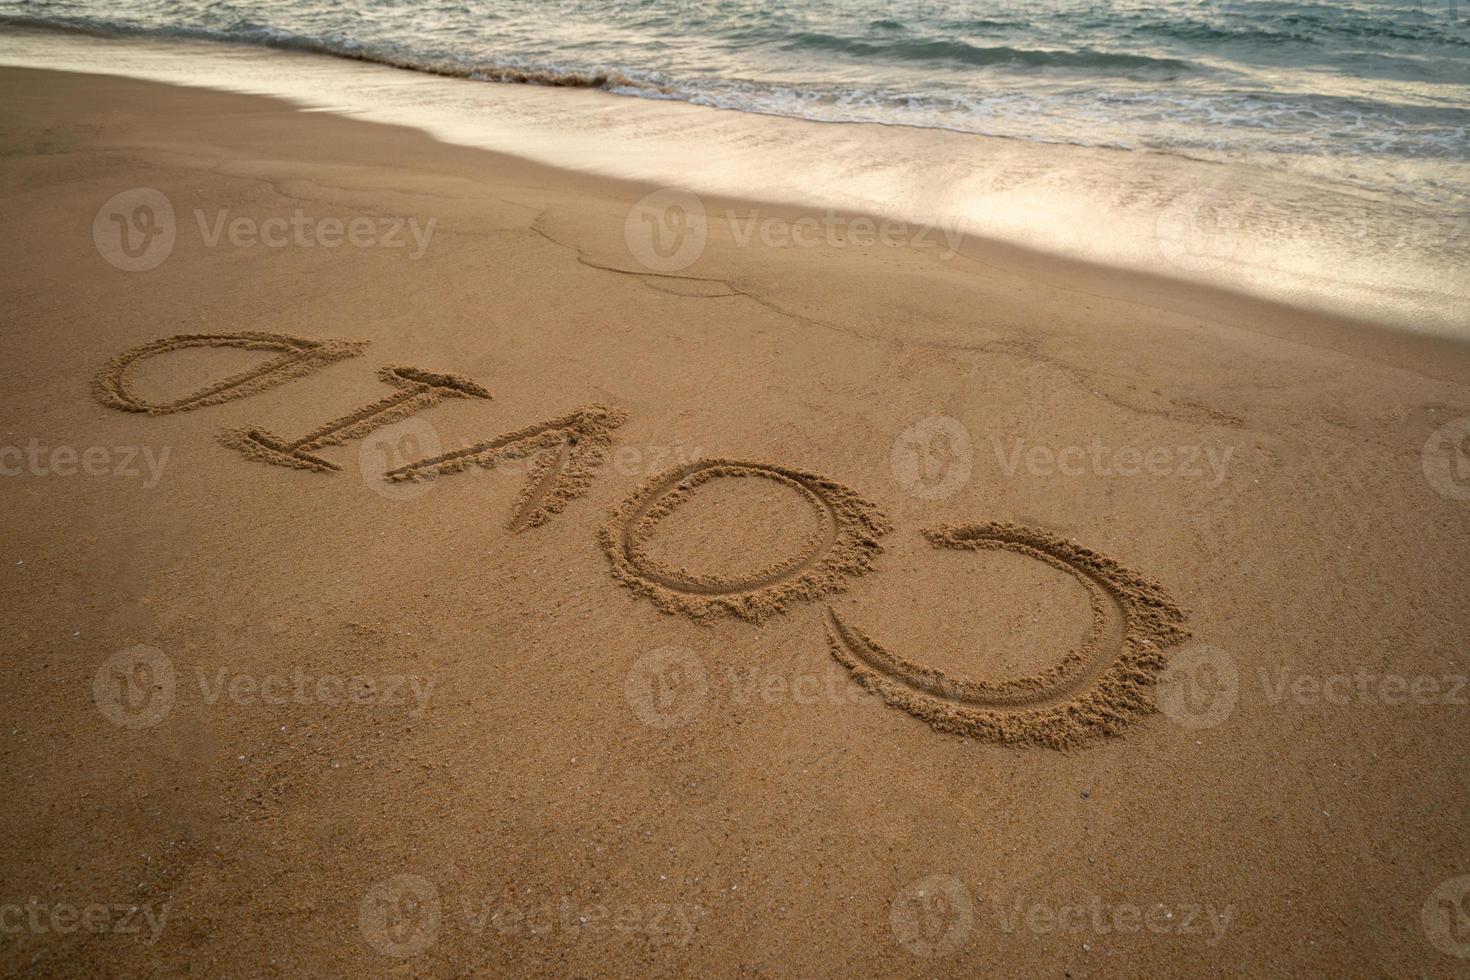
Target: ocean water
x,y
1373,97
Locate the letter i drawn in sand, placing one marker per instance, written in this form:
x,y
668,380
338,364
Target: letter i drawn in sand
x,y
417,390
563,452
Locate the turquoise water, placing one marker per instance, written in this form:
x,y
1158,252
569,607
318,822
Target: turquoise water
x,y
1375,96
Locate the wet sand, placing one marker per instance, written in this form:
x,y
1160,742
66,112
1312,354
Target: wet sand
x,y
396,620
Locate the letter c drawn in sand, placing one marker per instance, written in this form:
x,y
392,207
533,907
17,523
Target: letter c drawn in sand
x,y
1095,690
845,544
300,356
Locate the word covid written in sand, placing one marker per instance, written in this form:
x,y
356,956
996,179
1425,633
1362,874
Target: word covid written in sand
x,y
1094,690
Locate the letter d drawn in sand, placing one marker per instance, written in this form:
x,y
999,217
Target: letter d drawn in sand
x,y
300,356
417,390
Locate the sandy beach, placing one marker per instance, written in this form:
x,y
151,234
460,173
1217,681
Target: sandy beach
x,y
423,561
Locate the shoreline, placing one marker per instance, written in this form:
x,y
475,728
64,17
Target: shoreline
x,y
21,26
1290,240
609,81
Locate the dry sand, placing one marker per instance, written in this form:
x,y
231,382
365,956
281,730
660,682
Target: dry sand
x,y
386,705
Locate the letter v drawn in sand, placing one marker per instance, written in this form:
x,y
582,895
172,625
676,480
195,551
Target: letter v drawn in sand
x,y
845,544
1095,690
417,390
300,356
563,453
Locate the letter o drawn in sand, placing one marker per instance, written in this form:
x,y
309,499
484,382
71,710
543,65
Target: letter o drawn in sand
x,y
845,543
1095,690
300,356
